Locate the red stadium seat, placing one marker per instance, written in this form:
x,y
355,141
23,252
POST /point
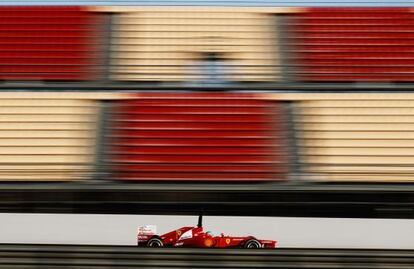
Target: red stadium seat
x,y
48,43
208,137
354,44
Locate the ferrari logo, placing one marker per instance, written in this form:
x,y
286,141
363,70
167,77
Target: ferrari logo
x,y
228,241
178,232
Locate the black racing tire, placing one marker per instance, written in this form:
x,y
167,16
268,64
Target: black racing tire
x,y
155,242
252,243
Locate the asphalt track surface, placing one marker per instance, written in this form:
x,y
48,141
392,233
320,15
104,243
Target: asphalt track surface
x,y
71,256
289,232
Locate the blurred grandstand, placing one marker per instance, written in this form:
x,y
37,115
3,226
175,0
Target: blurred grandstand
x,y
265,102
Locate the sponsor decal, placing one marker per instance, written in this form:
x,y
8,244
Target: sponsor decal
x,y
147,230
228,240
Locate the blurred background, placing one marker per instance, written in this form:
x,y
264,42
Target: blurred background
x,y
289,120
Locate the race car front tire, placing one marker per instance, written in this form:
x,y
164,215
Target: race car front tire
x,y
252,243
155,242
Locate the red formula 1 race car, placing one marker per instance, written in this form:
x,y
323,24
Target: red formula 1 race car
x,y
196,237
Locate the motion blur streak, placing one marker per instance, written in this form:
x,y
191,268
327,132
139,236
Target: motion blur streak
x,y
290,232
277,3
40,256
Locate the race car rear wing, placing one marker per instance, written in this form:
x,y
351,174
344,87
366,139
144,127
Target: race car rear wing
x,y
146,232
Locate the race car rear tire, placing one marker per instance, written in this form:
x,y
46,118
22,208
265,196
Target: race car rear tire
x,y
155,242
252,243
